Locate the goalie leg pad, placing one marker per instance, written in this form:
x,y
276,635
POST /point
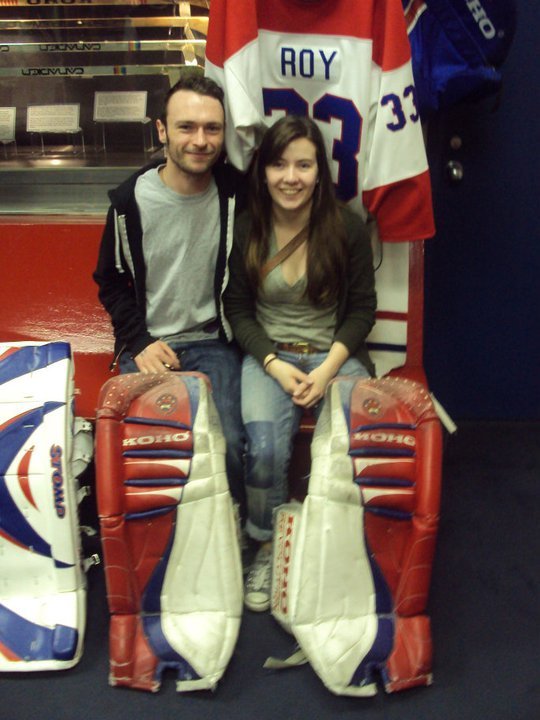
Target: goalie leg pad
x,y
43,596
169,532
361,547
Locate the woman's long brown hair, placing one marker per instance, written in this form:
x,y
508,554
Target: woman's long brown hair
x,y
326,250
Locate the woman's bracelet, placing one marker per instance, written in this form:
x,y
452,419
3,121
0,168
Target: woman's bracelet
x,y
268,361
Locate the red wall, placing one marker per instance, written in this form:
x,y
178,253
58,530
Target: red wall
x,y
47,293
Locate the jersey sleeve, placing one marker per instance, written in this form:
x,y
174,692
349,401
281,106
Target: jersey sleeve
x,y
396,186
244,123
233,33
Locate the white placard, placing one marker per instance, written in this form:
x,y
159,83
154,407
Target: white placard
x,y
53,118
7,124
120,106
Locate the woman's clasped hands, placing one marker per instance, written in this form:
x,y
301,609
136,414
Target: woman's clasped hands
x,y
305,389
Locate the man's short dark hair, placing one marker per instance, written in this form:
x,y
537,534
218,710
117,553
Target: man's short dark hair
x,y
195,82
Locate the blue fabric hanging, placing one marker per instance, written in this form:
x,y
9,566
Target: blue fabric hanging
x,y
458,47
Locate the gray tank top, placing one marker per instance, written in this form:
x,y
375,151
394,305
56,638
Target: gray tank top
x,y
286,314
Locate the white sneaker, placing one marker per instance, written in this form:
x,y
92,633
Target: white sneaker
x,y
258,583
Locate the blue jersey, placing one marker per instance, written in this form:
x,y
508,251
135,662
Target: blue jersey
x,y
457,48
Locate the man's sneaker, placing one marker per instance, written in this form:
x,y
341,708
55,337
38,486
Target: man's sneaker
x,y
258,582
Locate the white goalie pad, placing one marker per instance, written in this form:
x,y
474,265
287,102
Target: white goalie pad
x,y
322,582
169,533
352,564
332,618
42,582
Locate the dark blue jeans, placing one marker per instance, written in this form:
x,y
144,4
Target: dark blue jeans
x,y
222,364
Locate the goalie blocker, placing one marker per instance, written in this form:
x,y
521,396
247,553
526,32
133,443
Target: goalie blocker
x,y
352,565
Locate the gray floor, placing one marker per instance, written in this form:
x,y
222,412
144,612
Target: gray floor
x,y
485,609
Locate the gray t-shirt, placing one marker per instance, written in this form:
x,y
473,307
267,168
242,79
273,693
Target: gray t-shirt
x,y
286,314
180,246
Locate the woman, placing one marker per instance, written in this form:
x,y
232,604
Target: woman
x,y
300,319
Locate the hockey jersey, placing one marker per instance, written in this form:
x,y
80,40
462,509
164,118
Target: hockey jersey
x,y
345,63
457,49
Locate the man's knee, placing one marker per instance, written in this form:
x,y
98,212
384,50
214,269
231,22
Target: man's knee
x,y
126,364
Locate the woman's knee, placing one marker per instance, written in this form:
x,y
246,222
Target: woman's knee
x,y
264,456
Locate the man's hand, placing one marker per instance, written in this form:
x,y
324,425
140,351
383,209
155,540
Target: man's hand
x,y
157,358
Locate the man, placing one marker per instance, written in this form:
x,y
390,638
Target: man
x,y
162,263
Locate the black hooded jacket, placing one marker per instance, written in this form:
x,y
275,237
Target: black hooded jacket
x,y
120,272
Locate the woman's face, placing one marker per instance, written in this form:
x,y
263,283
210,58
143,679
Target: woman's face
x,y
291,179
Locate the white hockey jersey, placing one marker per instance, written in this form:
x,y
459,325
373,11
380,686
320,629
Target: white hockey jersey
x,y
347,64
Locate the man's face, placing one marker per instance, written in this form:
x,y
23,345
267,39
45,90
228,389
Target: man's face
x,y
193,134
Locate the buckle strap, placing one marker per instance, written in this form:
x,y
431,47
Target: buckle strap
x,y
285,251
302,348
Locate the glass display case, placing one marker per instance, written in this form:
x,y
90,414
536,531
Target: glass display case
x,y
81,86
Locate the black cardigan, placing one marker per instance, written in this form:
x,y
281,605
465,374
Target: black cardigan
x,y
356,303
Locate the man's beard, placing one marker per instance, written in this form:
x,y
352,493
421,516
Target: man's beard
x,y
184,166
